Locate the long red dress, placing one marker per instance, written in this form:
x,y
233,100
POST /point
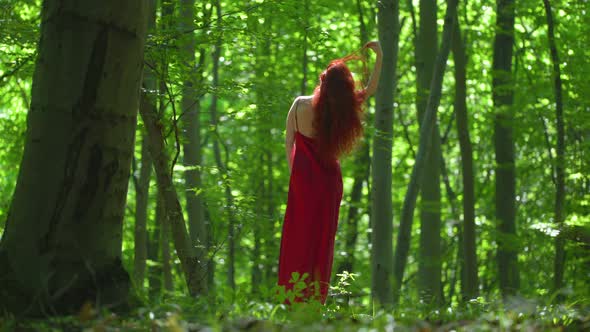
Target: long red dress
x,y
311,219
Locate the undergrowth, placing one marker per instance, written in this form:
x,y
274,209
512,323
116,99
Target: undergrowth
x,y
237,312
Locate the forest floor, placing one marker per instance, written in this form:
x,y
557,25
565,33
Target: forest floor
x,y
175,317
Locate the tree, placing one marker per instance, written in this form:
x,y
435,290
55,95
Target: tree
x,y
62,243
382,210
173,211
221,165
560,149
192,138
505,180
469,284
426,130
362,160
142,183
429,262
264,176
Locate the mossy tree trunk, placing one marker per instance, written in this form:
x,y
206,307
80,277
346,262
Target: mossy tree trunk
x,y
63,237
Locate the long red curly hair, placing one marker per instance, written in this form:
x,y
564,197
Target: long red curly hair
x,y
337,112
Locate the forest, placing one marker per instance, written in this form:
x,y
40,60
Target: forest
x,y
143,178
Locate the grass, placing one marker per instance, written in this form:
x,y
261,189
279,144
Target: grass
x,y
185,314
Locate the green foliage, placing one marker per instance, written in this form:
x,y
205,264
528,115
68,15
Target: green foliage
x,y
260,75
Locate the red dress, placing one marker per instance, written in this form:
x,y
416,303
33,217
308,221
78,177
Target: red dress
x,y
311,219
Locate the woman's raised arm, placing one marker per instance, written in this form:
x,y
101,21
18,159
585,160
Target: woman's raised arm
x,y
374,80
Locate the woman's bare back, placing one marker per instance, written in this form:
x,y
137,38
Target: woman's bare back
x,y
304,116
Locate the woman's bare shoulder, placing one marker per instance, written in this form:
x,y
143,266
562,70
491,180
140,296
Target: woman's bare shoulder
x,y
304,100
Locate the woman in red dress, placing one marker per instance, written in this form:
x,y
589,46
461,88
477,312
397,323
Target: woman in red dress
x,y
320,128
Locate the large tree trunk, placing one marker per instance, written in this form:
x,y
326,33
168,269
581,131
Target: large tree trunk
x,y
426,131
502,86
382,209
192,140
429,261
469,284
559,262
63,236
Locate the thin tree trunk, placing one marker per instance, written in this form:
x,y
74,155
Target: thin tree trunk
x,y
263,178
166,257
271,245
426,131
361,173
469,283
62,242
306,14
256,272
448,245
192,141
502,86
382,209
559,262
430,261
141,208
231,282
142,184
361,163
155,271
175,218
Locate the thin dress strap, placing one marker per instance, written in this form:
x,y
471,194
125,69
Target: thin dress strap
x,y
296,124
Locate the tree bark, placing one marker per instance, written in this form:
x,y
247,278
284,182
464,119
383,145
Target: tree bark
x,y
426,131
469,283
63,236
429,262
382,209
305,61
192,141
263,255
165,255
361,174
502,85
231,282
141,208
174,216
142,184
155,271
559,262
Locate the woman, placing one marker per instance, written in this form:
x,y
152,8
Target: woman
x,y
320,128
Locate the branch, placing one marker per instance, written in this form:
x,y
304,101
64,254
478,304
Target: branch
x,y
17,67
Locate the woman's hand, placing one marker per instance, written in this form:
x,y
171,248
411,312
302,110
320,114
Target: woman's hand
x,y
374,80
375,46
